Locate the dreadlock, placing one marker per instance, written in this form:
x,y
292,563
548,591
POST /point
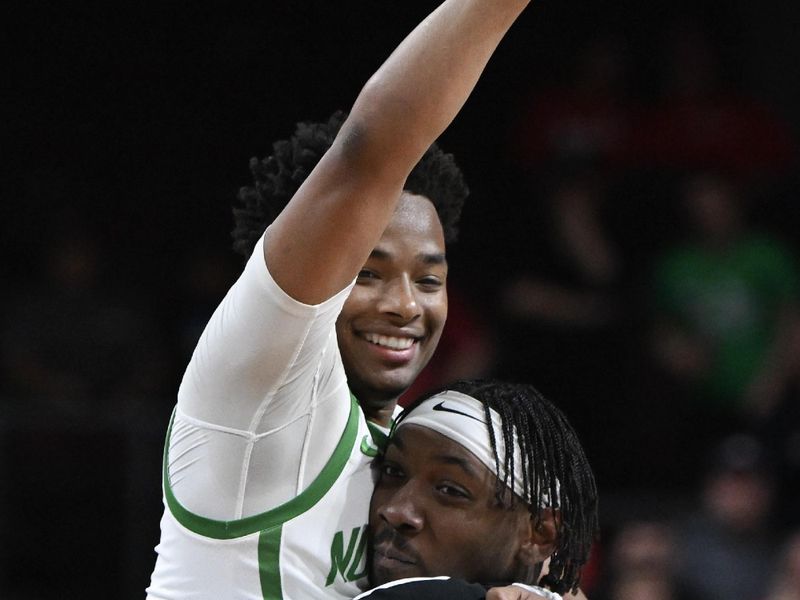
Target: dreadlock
x,y
552,463
278,176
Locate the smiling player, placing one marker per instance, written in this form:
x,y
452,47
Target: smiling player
x,y
266,467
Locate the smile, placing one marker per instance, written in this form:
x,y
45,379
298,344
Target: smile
x,y
395,343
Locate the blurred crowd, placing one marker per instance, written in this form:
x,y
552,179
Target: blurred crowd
x,y
647,282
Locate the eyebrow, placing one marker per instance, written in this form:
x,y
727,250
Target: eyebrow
x,y
457,461
428,258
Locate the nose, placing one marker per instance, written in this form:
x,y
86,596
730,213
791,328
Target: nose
x,y
399,297
401,511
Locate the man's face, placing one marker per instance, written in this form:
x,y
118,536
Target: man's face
x,y
392,320
434,512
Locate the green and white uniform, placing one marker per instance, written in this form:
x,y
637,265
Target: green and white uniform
x,y
266,468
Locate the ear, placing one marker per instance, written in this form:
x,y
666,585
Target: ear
x,y
541,538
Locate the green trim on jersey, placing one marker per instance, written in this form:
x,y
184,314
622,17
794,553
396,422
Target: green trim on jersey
x,y
375,442
368,447
379,437
269,569
226,530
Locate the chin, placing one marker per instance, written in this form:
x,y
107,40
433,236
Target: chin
x,y
379,576
385,389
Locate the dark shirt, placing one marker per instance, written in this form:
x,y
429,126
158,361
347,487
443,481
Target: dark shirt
x,y
433,589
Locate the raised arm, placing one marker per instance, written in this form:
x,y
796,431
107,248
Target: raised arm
x,y
319,242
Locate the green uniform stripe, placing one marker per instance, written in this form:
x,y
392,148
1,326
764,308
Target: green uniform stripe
x,y
226,530
379,437
269,571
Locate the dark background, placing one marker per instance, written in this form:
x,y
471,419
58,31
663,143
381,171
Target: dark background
x,y
134,122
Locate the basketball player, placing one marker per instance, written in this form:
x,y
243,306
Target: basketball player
x,y
482,481
266,466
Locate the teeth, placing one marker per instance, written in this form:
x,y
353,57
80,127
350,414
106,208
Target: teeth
x,y
394,343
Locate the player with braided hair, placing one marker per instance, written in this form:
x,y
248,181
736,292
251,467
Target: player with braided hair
x,y
483,481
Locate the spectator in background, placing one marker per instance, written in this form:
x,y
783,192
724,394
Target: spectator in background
x,y
727,549
642,565
583,123
726,311
702,121
564,308
562,299
574,282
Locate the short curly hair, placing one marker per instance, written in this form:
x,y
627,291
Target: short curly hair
x,y
278,176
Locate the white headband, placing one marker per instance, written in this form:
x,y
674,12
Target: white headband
x,y
462,418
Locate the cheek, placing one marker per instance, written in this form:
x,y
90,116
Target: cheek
x,y
469,536
436,310
357,302
357,305
493,541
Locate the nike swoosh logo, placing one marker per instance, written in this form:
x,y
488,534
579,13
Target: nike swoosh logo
x,y
443,408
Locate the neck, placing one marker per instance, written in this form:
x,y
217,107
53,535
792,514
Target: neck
x,y
377,409
381,416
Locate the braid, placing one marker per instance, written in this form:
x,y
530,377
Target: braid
x,y
554,469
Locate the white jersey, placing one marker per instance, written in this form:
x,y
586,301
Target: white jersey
x,y
266,467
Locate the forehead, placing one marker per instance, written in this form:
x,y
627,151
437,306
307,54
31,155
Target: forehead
x,y
430,449
414,222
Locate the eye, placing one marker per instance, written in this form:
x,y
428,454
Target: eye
x,y
366,274
430,283
391,471
453,491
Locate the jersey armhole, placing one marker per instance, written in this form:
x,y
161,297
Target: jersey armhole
x,y
225,530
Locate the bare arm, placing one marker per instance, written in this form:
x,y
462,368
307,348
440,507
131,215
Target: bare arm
x,y
319,242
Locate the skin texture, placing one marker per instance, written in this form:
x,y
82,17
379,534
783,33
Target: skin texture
x,y
434,510
400,293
